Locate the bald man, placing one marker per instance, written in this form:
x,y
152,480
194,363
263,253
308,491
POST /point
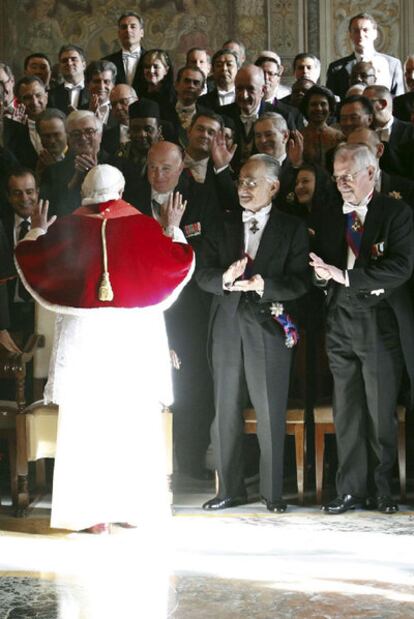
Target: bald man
x,y
187,322
120,98
248,106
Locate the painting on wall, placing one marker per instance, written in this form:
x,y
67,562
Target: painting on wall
x,y
174,25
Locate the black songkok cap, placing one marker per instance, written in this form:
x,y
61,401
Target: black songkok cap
x,y
144,108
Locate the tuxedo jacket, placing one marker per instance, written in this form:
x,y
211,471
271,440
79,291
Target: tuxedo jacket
x,y
17,140
282,261
59,98
211,101
116,58
339,71
383,268
403,106
398,187
396,158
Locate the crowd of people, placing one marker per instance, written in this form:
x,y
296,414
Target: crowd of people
x,y
298,208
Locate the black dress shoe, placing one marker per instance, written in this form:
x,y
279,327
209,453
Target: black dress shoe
x,y
342,504
225,502
387,505
278,506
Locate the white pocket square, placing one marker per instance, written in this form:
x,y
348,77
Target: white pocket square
x,y
378,292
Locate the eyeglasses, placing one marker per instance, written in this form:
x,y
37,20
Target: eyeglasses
x,y
88,133
346,178
250,183
124,101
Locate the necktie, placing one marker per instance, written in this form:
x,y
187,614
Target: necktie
x,y
354,232
21,290
156,209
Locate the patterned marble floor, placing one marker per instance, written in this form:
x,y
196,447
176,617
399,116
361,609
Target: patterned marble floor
x,y
241,563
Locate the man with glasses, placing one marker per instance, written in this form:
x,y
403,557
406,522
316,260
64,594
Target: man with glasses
x,y
8,102
121,97
365,259
62,181
254,266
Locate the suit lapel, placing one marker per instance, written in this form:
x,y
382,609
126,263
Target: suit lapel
x,y
372,224
270,242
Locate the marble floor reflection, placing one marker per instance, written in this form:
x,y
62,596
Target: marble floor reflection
x,y
239,563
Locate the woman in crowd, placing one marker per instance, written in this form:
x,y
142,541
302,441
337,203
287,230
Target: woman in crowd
x,y
156,78
318,105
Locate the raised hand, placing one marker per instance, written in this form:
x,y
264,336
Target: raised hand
x,y
172,211
220,154
39,216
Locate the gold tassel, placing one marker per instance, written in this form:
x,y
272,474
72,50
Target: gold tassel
x,y
105,292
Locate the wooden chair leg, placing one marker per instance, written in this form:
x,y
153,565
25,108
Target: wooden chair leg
x,y
40,475
22,467
300,459
319,458
13,469
402,459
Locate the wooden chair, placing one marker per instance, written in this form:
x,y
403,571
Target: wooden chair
x,y
295,426
13,366
324,424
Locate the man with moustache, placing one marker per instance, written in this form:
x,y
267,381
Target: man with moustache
x,y
254,266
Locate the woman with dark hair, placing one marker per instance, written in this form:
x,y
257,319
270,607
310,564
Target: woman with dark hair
x,y
317,106
156,76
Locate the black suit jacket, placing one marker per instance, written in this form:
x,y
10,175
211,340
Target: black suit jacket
x,y
403,106
402,187
59,98
211,101
396,158
17,140
339,72
116,58
384,265
282,261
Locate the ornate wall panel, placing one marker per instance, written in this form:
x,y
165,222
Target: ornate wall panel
x,y
44,25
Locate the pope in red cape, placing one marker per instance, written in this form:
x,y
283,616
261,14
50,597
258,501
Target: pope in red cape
x,y
108,272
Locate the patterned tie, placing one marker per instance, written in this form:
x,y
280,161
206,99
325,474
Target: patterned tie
x,y
354,232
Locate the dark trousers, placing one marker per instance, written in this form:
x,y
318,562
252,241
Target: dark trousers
x,y
249,357
366,361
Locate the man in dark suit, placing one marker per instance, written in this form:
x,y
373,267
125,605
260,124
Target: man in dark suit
x,y
187,321
225,64
254,265
72,93
126,60
117,134
7,271
61,182
23,196
397,135
188,86
363,31
22,138
249,105
273,70
200,58
392,185
366,249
